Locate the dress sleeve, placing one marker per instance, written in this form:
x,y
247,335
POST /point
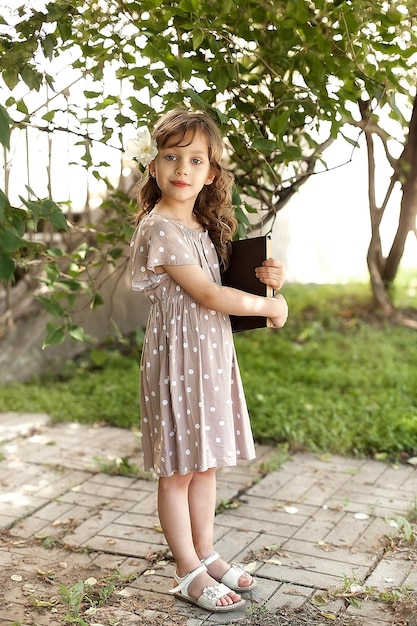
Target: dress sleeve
x,y
158,242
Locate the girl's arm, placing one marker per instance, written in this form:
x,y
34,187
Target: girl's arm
x,y
195,281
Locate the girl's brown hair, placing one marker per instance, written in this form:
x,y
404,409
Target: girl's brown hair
x,y
213,206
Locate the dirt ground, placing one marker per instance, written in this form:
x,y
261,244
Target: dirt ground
x,y
74,590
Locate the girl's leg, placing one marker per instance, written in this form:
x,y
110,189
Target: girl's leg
x,y
174,515
202,505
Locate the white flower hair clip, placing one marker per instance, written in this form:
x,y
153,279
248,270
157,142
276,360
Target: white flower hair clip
x,y
142,149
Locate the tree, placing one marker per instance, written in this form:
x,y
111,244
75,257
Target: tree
x,y
282,78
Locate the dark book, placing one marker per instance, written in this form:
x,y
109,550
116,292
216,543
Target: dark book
x,y
247,254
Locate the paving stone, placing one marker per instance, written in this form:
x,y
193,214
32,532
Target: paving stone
x,y
322,566
138,548
134,535
268,542
108,493
85,499
147,505
236,545
348,530
122,482
389,573
377,501
289,595
30,527
91,526
258,525
270,486
59,510
395,477
125,564
19,505
333,553
14,425
269,512
6,521
315,464
318,525
370,473
374,538
409,487
136,520
297,489
371,613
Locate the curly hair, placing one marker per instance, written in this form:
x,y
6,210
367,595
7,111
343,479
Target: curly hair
x,y
213,205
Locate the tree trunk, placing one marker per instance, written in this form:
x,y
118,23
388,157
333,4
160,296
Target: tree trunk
x,y
374,257
408,211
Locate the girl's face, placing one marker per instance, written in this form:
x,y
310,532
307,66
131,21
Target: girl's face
x,y
181,171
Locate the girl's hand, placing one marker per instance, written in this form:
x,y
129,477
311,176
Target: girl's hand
x,y
280,318
271,273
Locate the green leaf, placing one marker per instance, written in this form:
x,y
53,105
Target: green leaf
x,y
51,306
64,29
55,253
198,38
32,77
10,77
97,301
353,142
98,357
33,208
115,253
51,212
49,116
55,335
279,122
241,217
48,45
6,267
4,205
5,130
72,284
197,98
52,273
76,332
21,106
90,95
10,241
264,145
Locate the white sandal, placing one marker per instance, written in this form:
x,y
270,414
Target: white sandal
x,y
231,577
209,597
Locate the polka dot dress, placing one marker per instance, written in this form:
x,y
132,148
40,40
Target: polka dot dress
x,y
193,409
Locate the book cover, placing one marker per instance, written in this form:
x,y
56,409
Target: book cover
x,y
247,254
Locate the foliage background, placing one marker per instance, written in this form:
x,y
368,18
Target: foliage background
x,y
282,78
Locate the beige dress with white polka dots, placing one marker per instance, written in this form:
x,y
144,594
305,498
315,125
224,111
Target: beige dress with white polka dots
x,y
193,410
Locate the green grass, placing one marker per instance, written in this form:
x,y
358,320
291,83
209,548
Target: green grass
x,y
328,381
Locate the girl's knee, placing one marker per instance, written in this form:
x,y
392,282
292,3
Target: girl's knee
x,y
176,481
207,476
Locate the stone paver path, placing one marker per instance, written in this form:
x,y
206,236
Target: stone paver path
x,y
310,528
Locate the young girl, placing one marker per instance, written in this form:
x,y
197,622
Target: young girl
x,y
194,415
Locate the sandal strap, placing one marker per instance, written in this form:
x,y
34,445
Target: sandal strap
x,y
215,593
210,558
185,581
232,576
